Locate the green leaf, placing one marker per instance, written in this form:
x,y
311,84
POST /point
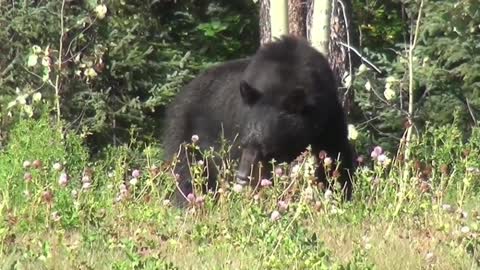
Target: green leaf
x,y
32,60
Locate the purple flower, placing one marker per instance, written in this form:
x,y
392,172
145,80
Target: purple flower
x,y
191,197
135,173
282,206
63,180
278,171
265,183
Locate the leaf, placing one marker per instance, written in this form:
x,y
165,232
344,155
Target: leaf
x,y
32,60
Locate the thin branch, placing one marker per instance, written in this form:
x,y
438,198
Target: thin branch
x,y
471,111
59,60
360,55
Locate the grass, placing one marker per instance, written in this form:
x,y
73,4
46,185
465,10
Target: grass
x,y
428,220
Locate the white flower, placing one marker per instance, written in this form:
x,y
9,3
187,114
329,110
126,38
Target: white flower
x,y
275,215
101,10
465,229
133,181
328,194
237,188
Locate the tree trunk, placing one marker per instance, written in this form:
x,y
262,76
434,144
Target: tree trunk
x,y
342,59
297,17
273,19
318,24
265,29
341,31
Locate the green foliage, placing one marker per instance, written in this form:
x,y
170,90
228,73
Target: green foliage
x,y
445,75
123,218
122,61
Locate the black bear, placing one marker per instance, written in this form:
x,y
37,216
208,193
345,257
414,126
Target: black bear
x,y
273,105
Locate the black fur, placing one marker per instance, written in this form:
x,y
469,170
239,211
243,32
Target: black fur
x,y
278,102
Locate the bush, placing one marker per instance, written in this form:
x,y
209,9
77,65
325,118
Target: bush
x,y
122,62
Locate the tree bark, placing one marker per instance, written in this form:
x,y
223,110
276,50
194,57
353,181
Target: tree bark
x,y
341,31
341,59
297,17
265,29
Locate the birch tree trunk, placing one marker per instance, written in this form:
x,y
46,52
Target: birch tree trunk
x,y
273,19
330,34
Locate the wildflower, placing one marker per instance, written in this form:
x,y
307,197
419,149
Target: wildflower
x,y
328,194
135,173
383,160
190,197
87,185
265,183
47,196
295,170
308,193
465,229
37,164
200,163
27,194
237,188
86,179
275,215
111,174
278,171
360,160
282,206
166,202
57,166
195,138
327,161
63,179
27,177
256,197
133,181
200,200
74,193
101,11
377,151
322,155
27,164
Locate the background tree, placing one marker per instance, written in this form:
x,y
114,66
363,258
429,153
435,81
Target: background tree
x,y
274,21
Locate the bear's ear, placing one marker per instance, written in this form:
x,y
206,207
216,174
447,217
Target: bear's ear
x,y
249,94
295,102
